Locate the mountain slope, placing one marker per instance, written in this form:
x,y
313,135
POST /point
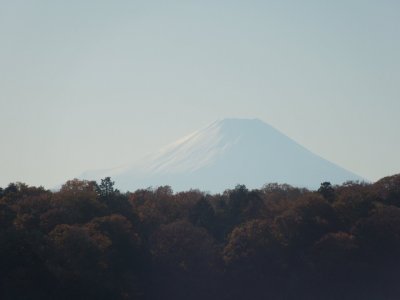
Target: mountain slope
x,y
226,153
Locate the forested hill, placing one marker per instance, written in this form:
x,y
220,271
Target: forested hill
x,y
89,241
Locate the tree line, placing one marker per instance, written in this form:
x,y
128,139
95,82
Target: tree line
x,y
90,241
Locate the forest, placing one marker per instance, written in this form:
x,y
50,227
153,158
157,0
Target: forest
x,y
90,241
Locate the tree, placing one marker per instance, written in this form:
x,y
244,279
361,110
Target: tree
x,y
106,188
202,214
327,191
243,205
388,189
379,239
77,261
76,202
122,258
124,240
11,188
336,265
254,257
183,256
307,221
354,201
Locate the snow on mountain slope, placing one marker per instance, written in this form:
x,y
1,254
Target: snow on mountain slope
x,y
226,153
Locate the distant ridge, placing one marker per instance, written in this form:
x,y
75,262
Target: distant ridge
x,y
225,153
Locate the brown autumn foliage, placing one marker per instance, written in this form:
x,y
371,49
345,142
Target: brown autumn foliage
x,y
90,241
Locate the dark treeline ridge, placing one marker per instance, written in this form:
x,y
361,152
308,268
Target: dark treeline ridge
x,y
89,241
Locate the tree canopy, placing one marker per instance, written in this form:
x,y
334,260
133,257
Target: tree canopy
x,y
90,241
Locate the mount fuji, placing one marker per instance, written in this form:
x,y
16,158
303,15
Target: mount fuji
x,y
226,153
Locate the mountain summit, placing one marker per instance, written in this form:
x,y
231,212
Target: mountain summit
x,y
226,153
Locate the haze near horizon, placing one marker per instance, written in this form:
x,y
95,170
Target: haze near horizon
x,y
96,84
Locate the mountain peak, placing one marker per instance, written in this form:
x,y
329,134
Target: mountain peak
x,y
238,123
228,152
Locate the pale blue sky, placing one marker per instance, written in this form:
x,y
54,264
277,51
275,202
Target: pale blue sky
x,y
93,84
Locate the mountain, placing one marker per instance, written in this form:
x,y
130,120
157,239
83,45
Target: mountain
x,y
226,153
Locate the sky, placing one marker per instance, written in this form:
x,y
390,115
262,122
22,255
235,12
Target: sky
x,y
95,84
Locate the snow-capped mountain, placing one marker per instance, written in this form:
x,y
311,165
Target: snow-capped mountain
x,y
226,153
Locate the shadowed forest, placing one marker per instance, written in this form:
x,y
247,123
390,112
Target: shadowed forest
x,y
89,241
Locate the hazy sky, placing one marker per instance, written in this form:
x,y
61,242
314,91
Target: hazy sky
x,y
93,84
